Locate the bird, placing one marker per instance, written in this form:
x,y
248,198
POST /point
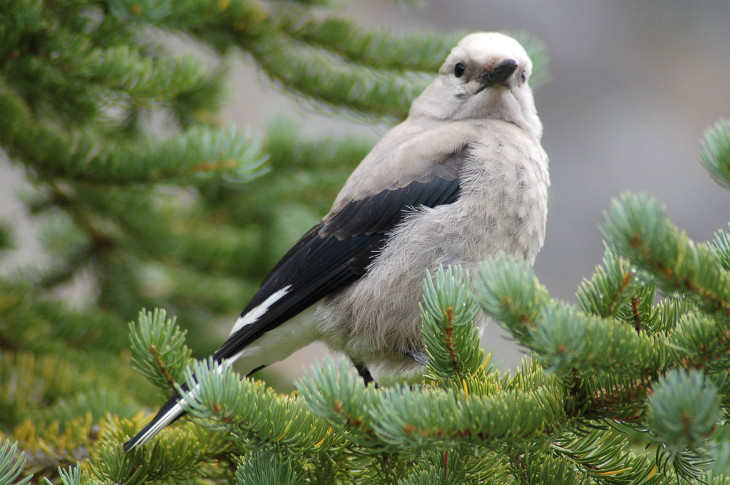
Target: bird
x,y
463,178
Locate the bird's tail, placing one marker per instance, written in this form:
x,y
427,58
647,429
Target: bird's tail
x,y
170,412
259,337
264,332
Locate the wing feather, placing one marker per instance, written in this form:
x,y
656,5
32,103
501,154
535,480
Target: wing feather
x,y
339,249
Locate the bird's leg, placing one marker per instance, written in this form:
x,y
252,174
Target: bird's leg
x,y
365,374
418,356
255,370
422,359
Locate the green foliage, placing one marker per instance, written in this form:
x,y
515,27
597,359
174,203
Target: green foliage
x,y
510,293
146,200
128,165
568,342
10,466
610,289
72,476
6,237
253,413
715,152
158,349
260,467
683,409
719,448
623,356
638,227
141,193
452,341
720,245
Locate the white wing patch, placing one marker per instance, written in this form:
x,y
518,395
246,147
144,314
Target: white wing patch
x,y
270,345
260,310
276,344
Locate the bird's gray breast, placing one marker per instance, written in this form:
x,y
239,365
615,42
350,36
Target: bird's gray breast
x,y
502,207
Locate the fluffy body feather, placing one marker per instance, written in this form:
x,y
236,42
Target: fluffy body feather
x,y
463,178
502,208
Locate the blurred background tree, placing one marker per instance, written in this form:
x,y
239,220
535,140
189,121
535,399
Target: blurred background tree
x,y
142,197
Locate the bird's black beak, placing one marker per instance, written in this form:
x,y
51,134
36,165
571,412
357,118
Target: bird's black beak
x,y
498,74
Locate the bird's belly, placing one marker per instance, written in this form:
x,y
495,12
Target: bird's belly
x,y
377,318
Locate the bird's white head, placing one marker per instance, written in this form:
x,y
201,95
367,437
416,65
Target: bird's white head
x,y
484,77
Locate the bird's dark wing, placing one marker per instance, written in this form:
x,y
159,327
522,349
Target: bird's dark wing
x,y
332,254
337,251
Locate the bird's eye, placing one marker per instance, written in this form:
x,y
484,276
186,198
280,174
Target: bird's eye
x,y
524,75
459,69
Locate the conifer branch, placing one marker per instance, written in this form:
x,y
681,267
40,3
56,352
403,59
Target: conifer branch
x,y
158,349
376,48
683,409
251,411
438,419
510,294
682,412
607,457
701,342
333,393
447,316
564,339
334,63
154,210
10,466
611,287
198,154
263,467
720,246
715,151
638,227
333,82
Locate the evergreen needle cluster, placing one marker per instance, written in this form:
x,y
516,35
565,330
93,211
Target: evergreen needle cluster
x,y
138,190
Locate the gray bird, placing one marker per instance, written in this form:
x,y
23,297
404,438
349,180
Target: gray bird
x,y
463,178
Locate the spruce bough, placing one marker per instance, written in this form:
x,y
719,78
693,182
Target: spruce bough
x,y
147,216
620,389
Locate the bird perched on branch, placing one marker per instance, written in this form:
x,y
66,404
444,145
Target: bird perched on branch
x,y
463,178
